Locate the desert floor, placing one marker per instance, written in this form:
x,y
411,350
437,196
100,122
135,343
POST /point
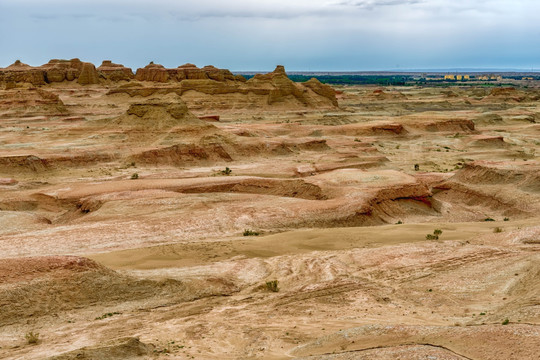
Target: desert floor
x,y
126,241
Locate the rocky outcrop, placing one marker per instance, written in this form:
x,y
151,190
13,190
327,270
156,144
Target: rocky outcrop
x,y
53,72
322,89
89,74
62,70
161,113
152,72
114,72
214,89
22,73
272,89
19,103
284,89
158,73
190,71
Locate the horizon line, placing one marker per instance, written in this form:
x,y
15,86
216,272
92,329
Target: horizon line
x,y
533,69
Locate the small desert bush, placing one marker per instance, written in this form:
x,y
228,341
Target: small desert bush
x,y
227,171
506,219
489,219
399,222
32,337
248,232
272,286
134,176
506,321
498,230
107,315
435,235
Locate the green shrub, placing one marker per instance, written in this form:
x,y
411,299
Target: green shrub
x,y
506,219
248,232
106,315
134,176
489,219
498,230
437,232
227,171
432,237
399,222
506,321
272,286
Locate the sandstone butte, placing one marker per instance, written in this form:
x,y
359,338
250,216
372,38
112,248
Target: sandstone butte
x,y
209,79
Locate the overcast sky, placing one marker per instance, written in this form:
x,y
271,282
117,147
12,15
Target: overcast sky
x,y
258,34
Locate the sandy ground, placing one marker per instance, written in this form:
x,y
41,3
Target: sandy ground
x,y
123,237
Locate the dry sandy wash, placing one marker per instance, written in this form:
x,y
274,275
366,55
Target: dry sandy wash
x,y
124,201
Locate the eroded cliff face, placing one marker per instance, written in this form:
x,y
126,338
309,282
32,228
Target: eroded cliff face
x,y
158,73
203,88
19,72
219,89
57,71
115,72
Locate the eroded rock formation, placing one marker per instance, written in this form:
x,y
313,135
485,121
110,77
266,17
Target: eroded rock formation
x,y
158,73
272,89
213,87
115,72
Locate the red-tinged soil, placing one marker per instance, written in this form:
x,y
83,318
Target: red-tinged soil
x,y
144,215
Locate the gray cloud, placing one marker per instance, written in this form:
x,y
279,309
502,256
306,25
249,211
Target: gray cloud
x,y
302,34
372,4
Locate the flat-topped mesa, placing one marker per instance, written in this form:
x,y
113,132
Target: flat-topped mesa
x,y
56,70
114,72
190,71
158,73
152,72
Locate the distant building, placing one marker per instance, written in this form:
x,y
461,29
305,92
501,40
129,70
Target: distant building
x,y
456,77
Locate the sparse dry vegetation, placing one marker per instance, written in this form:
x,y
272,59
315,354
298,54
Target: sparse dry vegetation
x,y
272,285
32,337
